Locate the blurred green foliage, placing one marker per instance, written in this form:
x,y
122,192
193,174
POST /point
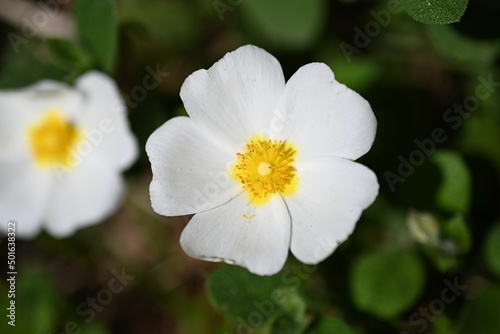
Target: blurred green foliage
x,y
438,222
454,192
492,249
386,283
97,26
331,325
288,24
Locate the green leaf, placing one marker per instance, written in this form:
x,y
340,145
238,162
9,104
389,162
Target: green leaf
x,y
435,11
38,302
257,301
92,328
286,23
24,69
443,258
289,300
492,249
329,325
454,192
70,55
161,26
480,137
386,283
293,305
474,54
98,28
456,229
67,51
286,324
481,315
237,293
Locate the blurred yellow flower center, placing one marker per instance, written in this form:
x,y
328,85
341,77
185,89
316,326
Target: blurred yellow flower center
x,y
52,139
266,168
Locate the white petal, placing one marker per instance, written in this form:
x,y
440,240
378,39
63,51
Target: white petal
x,y
236,98
103,115
85,196
48,94
331,196
44,95
324,117
190,170
259,244
20,108
24,192
13,123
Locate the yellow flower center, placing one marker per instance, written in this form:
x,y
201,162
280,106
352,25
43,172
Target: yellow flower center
x,y
266,168
52,139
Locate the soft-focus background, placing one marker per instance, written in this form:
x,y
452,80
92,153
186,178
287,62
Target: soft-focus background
x,y
425,258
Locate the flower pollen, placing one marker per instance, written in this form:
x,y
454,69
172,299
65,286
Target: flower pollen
x,y
266,168
52,139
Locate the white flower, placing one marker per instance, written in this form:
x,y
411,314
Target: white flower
x,y
62,151
266,167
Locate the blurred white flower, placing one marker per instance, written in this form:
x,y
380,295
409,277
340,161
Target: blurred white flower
x,y
266,167
62,151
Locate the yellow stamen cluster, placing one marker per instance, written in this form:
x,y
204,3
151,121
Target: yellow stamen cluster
x,y
266,168
52,139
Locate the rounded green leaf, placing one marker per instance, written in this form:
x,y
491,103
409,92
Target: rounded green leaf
x,y
435,11
287,324
237,293
492,249
293,320
386,283
454,192
458,231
